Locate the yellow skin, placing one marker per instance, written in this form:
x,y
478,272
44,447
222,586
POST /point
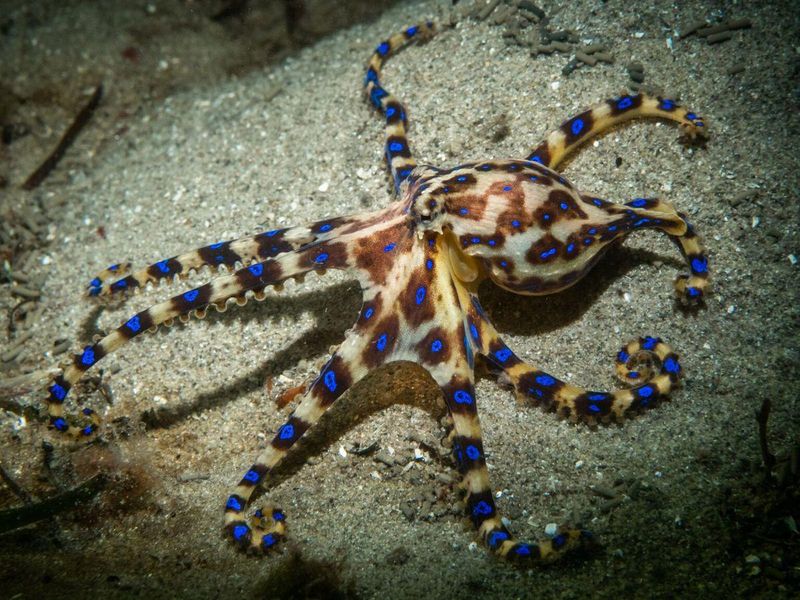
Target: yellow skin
x,y
420,261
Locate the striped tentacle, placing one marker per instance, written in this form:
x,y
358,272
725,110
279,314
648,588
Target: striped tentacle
x,y
398,154
573,132
230,254
254,278
648,364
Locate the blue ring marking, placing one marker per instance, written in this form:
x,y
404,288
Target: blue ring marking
x,y
545,380
547,253
699,265
691,116
389,112
381,343
492,243
405,173
389,247
559,541
473,453
587,241
598,397
645,391
641,222
594,408
95,291
638,202
60,424
95,282
474,331
462,397
191,295
612,228
672,366
368,313
396,147
87,358
134,324
429,264
485,167
419,298
463,211
252,476
113,267
120,285
693,292
162,266
649,343
233,503
216,246
504,263
376,94
503,354
482,508
412,30
667,104
577,126
87,411
277,515
546,216
564,206
537,159
58,392
633,374
330,381
321,258
286,432
515,223
272,232
383,48
507,188
597,202
522,550
88,430
476,240
570,247
495,538
461,178
436,345
371,75
240,531
325,227
269,540
256,270
624,102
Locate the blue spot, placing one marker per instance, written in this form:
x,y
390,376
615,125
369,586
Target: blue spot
x,y
547,253
436,346
87,411
559,541
594,408
633,374
383,48
645,392
321,258
598,397
570,247
564,206
546,217
286,432
473,453
95,291
482,508
699,265
87,358
325,227
593,231
60,424
191,295
462,397
278,515
419,298
638,203
485,167
587,241
545,380
515,223
495,538
134,324
429,264
672,366
492,243
461,178
522,550
691,116
381,343
537,159
533,178
162,266
120,285
95,282
503,263
649,343
463,211
577,126
624,102
369,312
474,331
216,246
476,240
395,147
240,531
273,232
507,188
330,381
641,222
252,476
268,540
376,94
667,104
88,430
411,31
623,356
612,228
389,247
597,202
693,292
370,76
58,392
503,354
390,110
233,503
405,173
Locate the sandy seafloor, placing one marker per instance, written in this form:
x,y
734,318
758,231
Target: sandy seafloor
x,y
217,161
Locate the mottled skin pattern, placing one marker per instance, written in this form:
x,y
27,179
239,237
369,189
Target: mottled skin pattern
x,y
420,261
